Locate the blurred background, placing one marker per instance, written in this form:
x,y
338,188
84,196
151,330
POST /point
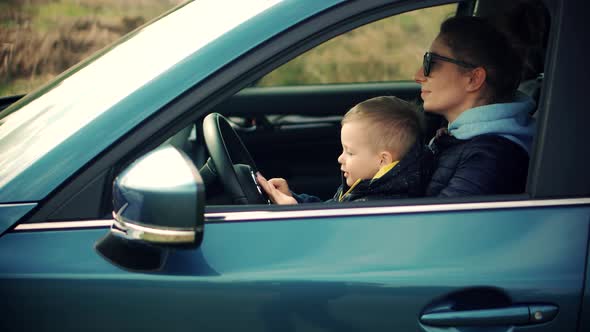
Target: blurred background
x,y
40,39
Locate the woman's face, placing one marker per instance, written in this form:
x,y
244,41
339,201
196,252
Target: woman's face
x,y
444,91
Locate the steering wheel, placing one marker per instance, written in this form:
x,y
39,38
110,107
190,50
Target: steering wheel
x,y
232,162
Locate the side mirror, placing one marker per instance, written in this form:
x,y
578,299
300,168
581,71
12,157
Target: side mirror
x,y
159,200
158,203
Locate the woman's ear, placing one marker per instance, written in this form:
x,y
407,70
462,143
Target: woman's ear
x,y
476,79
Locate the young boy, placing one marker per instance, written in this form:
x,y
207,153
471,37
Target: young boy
x,y
383,156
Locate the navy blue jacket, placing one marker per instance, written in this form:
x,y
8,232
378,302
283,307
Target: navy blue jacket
x,y
408,178
482,165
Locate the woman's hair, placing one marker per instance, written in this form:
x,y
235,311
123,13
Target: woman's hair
x,y
477,41
392,123
526,23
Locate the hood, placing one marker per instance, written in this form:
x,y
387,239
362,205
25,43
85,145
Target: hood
x,y
511,120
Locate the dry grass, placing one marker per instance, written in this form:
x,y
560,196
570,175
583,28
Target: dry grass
x,y
39,39
390,49
42,38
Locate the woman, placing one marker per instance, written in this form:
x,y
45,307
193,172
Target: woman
x,y
470,76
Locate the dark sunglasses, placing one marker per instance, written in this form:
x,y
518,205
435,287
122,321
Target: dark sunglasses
x,y
429,57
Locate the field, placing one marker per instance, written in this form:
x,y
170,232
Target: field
x,y
390,49
39,39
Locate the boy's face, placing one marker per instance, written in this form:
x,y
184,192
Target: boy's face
x,y
360,158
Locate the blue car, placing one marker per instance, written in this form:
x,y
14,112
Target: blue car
x,y
112,219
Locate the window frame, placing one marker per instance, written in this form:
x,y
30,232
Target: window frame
x,y
94,180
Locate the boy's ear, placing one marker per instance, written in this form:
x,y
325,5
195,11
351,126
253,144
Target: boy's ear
x,y
476,79
386,158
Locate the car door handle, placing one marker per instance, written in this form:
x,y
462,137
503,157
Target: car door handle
x,y
514,315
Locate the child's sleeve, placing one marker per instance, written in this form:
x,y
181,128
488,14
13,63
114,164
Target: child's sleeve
x,y
305,198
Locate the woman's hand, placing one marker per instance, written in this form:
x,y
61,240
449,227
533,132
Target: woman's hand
x,y
277,190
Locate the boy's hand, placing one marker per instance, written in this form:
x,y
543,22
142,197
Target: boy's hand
x,y
281,185
277,190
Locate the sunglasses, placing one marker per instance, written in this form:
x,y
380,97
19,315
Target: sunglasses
x,y
429,57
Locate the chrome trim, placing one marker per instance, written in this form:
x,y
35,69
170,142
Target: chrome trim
x,y
57,225
4,205
131,231
381,210
268,215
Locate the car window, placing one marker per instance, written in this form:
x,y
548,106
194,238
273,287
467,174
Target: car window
x,y
386,50
56,112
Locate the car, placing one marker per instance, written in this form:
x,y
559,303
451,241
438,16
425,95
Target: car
x,y
112,219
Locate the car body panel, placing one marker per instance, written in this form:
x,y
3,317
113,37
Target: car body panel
x,y
585,310
376,272
11,213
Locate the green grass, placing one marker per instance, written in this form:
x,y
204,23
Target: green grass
x,y
21,86
51,15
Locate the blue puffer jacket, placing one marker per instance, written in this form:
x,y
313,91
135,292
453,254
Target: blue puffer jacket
x,y
483,165
486,153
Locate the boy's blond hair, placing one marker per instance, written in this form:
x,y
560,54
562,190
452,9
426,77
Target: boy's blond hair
x,y
393,124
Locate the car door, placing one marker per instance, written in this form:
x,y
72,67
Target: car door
x,y
467,266
504,263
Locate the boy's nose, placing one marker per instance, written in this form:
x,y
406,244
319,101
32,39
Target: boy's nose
x,y
340,159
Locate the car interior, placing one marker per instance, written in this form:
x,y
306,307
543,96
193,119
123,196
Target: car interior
x,y
292,131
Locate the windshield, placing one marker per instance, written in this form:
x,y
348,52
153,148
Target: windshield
x,y
41,121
